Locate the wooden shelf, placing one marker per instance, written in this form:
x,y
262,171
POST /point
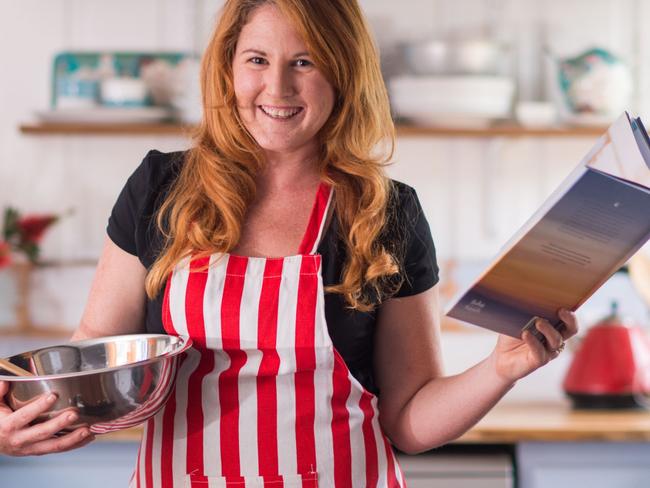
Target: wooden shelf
x,y
162,129
47,332
68,263
172,129
499,130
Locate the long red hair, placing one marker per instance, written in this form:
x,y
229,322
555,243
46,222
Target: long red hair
x,y
205,208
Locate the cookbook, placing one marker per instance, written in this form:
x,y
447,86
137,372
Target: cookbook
x,y
588,228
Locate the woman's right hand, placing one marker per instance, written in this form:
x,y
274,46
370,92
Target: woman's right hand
x,y
19,438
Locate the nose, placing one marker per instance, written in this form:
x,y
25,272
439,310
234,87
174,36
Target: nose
x,y
280,82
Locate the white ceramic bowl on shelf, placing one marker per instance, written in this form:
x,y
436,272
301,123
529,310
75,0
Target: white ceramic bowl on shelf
x,y
452,100
124,91
536,113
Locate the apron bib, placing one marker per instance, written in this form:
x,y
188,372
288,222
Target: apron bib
x,y
262,399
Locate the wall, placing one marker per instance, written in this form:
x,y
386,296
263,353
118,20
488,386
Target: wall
x,y
475,192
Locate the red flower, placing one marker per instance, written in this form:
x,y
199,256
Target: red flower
x,y
5,254
33,227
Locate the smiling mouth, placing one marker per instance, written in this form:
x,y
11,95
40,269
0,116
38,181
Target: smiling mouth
x,y
280,113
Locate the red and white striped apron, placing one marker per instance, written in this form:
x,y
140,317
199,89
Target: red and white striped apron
x,y
262,399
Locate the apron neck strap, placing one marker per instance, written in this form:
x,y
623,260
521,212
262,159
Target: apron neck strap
x,y
317,219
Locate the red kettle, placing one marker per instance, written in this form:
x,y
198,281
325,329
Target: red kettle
x,y
611,368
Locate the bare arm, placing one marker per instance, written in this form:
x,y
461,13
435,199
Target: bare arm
x,y
419,407
117,298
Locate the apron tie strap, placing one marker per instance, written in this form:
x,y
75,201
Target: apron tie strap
x,y
317,219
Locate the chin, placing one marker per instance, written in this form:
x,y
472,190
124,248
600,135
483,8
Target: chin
x,y
274,148
270,145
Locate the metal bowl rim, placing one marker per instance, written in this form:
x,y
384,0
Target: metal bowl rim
x,y
187,343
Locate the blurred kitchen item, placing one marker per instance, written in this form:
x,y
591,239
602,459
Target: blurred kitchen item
x,y
466,101
536,113
478,56
113,383
430,57
455,57
186,92
639,269
107,115
450,468
124,91
80,90
611,368
593,88
13,369
448,282
78,75
158,76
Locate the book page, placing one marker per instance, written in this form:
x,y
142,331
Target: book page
x,y
619,153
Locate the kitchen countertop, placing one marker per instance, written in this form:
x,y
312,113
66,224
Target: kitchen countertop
x,y
516,422
557,421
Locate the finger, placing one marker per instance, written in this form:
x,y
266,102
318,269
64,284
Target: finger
x,y
45,430
86,439
570,322
553,337
4,389
59,444
538,351
24,415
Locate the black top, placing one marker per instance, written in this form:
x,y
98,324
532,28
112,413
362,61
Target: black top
x,y
133,228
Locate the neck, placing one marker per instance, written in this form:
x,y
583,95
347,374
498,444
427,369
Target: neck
x,y
284,172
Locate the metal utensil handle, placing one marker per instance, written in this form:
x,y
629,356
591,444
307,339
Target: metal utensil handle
x,y
12,368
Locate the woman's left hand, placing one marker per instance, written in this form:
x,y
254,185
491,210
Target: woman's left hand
x,y
516,358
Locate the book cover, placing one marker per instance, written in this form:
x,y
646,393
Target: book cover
x,y
596,219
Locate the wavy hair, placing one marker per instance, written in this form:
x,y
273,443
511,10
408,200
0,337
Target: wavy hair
x,y
205,207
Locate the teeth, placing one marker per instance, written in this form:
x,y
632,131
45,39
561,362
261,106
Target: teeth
x,y
280,113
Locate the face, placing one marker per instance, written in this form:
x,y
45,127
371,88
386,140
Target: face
x,y
282,99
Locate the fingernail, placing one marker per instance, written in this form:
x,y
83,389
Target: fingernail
x,y
85,433
72,417
51,397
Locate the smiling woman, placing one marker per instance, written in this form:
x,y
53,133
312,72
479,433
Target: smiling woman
x,y
303,274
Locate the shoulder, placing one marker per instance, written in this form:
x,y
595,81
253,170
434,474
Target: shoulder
x,y
404,205
131,224
401,187
160,168
152,179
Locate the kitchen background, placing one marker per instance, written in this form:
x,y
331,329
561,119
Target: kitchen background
x,y
475,191
476,187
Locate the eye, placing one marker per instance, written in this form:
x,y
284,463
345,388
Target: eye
x,y
257,60
303,63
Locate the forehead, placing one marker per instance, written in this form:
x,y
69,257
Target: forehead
x,y
269,28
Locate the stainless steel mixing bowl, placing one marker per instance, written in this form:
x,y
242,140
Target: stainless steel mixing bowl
x,y
112,382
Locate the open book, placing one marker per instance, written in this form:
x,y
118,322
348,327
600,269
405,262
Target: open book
x,y
584,232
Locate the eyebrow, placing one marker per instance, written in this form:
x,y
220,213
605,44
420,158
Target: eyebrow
x,y
262,53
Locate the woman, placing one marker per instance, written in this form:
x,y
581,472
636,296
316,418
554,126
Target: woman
x,y
303,274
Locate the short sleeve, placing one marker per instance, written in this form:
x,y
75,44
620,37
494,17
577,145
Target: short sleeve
x,y
420,267
125,216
